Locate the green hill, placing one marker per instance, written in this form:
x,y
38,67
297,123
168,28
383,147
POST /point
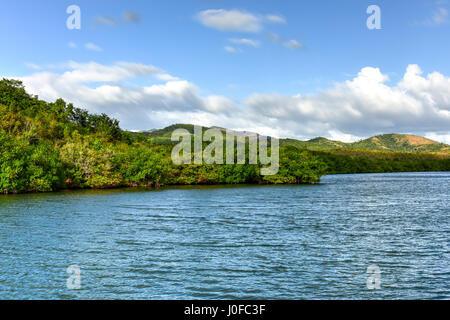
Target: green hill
x,y
316,144
385,142
400,142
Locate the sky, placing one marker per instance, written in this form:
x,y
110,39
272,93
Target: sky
x,y
290,68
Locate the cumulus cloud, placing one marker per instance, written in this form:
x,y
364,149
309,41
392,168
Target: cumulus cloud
x,y
363,106
100,88
236,20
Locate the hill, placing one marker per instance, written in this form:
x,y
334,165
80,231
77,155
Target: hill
x,y
316,144
385,142
384,153
400,142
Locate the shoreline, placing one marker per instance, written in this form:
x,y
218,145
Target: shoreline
x,y
200,185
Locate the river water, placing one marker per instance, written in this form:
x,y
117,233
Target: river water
x,y
233,242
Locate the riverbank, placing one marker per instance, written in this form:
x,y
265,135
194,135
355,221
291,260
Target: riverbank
x,y
214,185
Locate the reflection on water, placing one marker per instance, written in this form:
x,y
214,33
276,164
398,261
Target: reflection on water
x,y
241,242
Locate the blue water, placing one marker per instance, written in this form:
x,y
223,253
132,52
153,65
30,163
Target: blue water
x,y
241,242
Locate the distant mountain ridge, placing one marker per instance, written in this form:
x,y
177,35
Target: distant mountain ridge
x,y
384,142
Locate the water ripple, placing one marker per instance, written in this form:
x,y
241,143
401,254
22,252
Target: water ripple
x,y
240,242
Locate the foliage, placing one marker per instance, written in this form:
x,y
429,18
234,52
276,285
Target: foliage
x,y
357,161
28,167
50,146
297,166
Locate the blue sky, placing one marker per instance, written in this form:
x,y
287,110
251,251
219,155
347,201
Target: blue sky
x,y
319,45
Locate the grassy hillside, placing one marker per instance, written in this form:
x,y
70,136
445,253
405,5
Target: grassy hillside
x,y
385,142
400,142
317,144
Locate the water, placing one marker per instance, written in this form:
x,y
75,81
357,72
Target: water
x,y
242,242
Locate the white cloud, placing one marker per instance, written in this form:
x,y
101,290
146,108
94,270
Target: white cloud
x,y
72,45
274,37
105,20
340,136
33,66
363,106
293,44
230,20
275,18
166,77
230,49
236,20
247,42
360,107
441,137
95,72
93,47
100,88
440,16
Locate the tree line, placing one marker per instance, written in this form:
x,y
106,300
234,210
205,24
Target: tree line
x,y
49,146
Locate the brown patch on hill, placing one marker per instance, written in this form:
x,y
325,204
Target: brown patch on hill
x,y
418,141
